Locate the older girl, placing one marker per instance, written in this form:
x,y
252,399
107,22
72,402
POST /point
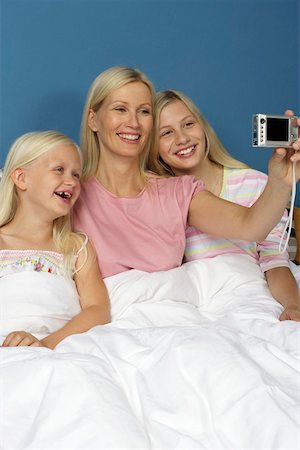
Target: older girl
x,y
186,144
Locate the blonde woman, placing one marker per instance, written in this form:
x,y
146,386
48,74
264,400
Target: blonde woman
x,y
50,286
137,220
186,144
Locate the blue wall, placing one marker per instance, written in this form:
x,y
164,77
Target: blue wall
x,y
233,57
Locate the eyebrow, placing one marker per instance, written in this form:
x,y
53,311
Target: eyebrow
x,y
182,120
126,103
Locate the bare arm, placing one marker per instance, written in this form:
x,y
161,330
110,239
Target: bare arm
x,y
219,217
94,303
229,220
93,299
284,289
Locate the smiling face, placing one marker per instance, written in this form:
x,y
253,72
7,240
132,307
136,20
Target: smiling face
x,y
51,184
182,141
124,121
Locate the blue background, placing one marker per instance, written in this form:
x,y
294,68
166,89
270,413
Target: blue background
x,y
234,58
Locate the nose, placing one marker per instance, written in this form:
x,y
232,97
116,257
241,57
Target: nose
x,y
181,137
70,180
133,119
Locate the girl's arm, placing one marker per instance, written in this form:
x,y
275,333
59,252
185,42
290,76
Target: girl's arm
x,y
219,217
284,289
93,299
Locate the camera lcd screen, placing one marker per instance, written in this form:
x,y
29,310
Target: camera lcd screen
x,y
277,129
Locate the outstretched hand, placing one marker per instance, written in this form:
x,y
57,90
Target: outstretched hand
x,y
21,339
281,161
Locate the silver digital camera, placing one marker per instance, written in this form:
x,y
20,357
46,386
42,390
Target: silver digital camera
x,y
273,131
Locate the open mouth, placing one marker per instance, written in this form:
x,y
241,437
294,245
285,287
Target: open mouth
x,y
129,137
63,194
186,151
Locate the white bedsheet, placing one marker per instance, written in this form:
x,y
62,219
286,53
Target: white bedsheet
x,y
195,358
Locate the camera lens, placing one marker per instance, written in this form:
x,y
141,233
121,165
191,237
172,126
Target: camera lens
x,y
262,120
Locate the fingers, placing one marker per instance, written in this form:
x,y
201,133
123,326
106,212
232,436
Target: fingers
x,y
290,314
295,157
12,339
36,344
21,339
296,144
289,112
280,152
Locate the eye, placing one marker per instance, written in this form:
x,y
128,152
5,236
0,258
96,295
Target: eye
x,y
77,175
145,111
60,169
120,109
190,123
166,133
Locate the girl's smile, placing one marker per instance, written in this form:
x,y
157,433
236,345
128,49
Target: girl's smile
x,y
182,141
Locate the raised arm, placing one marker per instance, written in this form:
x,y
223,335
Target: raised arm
x,y
219,217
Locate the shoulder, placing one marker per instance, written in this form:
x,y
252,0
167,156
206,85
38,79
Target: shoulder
x,y
89,185
176,182
82,241
249,175
176,191
2,243
90,196
85,252
5,241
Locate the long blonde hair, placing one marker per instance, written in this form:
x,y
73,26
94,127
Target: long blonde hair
x,y
109,80
216,152
25,150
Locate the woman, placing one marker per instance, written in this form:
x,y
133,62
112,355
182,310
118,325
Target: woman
x,y
187,145
137,220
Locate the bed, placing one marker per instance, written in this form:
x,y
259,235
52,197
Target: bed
x,y
195,358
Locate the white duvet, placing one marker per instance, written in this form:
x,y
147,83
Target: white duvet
x,y
195,358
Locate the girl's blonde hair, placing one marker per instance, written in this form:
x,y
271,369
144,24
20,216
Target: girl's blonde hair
x,y
216,152
109,80
24,151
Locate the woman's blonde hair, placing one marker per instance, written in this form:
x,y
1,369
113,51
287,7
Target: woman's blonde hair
x,y
24,151
216,152
109,80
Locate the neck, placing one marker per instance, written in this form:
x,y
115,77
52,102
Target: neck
x,y
123,178
209,172
26,231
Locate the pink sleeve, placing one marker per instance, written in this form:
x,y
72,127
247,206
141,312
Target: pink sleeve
x,y
186,188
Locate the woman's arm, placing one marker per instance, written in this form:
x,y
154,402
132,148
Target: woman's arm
x,y
93,299
284,289
219,217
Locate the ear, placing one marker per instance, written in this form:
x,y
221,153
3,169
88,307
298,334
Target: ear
x,y
19,178
92,120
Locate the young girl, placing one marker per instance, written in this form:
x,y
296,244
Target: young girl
x,y
50,284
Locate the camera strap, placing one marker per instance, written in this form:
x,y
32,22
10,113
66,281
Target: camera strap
x,y
289,222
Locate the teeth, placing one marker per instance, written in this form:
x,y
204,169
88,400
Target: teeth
x,y
185,151
63,194
130,137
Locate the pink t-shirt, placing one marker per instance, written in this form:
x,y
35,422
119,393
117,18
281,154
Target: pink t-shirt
x,y
146,232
